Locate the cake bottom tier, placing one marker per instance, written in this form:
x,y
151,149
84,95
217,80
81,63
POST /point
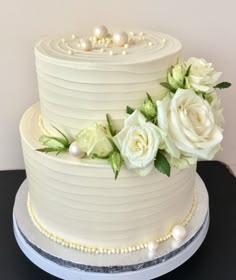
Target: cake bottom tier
x,y
79,204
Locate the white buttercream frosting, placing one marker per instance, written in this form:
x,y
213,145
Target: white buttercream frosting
x,y
79,200
77,87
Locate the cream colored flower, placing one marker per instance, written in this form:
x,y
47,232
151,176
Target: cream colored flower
x,y
138,143
202,76
190,124
217,109
94,141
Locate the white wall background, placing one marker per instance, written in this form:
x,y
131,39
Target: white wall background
x,y
206,28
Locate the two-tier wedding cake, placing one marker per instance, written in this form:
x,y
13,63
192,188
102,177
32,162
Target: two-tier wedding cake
x,y
111,148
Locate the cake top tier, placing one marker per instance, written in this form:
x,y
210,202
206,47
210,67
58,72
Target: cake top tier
x,y
123,47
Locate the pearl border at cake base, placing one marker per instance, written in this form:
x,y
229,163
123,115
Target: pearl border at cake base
x,y
67,263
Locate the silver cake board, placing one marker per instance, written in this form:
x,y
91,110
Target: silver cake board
x,y
70,264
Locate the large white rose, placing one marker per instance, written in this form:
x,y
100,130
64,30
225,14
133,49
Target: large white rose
x,y
217,109
94,141
189,122
138,143
202,76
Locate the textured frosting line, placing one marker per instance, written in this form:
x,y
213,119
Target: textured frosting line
x,y
100,211
78,89
98,250
153,45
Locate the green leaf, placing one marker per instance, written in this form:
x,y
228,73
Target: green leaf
x,y
110,127
129,110
64,136
149,97
223,85
168,86
49,150
207,97
162,164
99,157
188,70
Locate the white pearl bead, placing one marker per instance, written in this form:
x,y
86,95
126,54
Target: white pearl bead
x,y
120,38
75,151
179,232
152,246
100,31
86,45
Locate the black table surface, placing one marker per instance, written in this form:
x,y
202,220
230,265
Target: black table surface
x,y
216,258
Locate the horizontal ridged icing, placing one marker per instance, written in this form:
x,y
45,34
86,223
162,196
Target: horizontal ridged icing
x,y
79,200
78,89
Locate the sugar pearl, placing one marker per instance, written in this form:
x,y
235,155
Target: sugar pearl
x,y
120,38
152,246
179,232
100,31
86,45
75,151
70,52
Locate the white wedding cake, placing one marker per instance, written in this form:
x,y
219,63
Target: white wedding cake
x,y
70,143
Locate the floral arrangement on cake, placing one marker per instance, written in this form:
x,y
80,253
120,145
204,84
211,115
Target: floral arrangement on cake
x,y
186,125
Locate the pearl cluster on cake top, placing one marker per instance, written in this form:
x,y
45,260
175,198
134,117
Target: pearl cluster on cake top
x,y
103,41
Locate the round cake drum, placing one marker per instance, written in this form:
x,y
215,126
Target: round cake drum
x,y
67,263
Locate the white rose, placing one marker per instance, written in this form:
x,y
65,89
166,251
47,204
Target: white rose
x,y
138,143
94,141
217,109
202,76
163,109
190,125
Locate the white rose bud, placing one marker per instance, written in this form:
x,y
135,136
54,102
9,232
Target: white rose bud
x,y
116,162
149,108
51,142
94,141
176,76
202,76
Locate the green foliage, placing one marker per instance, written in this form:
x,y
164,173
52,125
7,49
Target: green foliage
x,y
161,163
116,162
223,85
129,110
54,144
110,127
